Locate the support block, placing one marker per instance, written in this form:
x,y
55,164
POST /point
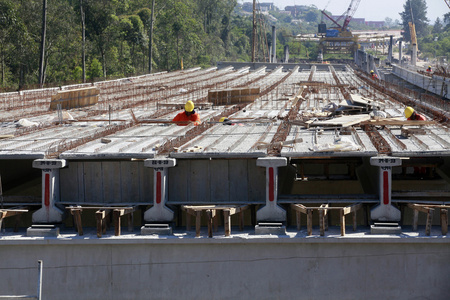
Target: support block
x,y
48,214
271,213
49,163
43,231
159,213
270,228
271,162
160,229
385,228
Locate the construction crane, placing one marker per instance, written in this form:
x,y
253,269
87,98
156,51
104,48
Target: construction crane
x,y
338,39
447,2
412,32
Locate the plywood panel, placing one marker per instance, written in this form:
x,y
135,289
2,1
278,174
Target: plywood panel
x,y
178,181
238,178
75,98
130,181
111,181
256,182
219,181
145,183
199,181
93,186
68,181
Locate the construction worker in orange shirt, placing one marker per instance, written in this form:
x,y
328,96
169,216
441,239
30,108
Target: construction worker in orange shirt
x,y
373,74
187,116
429,69
411,115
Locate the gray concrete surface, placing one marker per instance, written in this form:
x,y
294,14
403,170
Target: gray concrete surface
x,y
243,266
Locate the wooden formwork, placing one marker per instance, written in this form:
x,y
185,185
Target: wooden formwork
x,y
429,210
233,96
211,212
101,215
75,98
323,216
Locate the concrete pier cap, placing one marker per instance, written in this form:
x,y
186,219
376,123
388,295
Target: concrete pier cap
x,y
49,213
384,211
271,212
159,212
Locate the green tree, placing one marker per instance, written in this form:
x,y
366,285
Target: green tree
x,y
414,11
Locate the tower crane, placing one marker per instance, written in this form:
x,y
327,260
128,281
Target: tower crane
x,y
448,3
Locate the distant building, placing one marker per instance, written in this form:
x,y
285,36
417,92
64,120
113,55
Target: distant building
x,y
361,21
264,7
297,9
375,24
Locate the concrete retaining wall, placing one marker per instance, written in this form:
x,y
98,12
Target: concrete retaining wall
x,y
437,84
262,268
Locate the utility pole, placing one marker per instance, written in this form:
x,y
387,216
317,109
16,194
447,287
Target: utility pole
x,y
150,42
83,43
42,58
254,32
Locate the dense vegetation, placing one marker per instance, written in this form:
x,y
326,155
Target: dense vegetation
x,y
186,33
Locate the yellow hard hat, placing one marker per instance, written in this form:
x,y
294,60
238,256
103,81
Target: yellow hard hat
x,y
189,106
408,111
371,71
222,119
429,67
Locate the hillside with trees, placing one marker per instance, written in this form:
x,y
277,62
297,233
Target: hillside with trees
x,y
55,42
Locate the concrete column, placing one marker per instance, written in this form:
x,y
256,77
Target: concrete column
x,y
271,211
385,211
159,212
400,51
274,45
49,213
391,44
414,55
286,54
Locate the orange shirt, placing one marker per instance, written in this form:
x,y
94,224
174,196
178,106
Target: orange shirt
x,y
417,118
182,117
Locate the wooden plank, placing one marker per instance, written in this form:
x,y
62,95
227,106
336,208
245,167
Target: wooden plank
x,y
429,220
419,208
116,217
309,221
179,187
343,121
299,220
444,220
93,182
299,208
198,221
76,212
238,180
129,181
69,183
342,221
220,191
145,182
199,181
209,220
227,222
256,179
321,222
415,220
112,182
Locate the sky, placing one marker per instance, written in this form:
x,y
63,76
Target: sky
x,y
371,10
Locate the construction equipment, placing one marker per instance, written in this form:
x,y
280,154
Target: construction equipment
x,y
338,39
447,2
412,32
